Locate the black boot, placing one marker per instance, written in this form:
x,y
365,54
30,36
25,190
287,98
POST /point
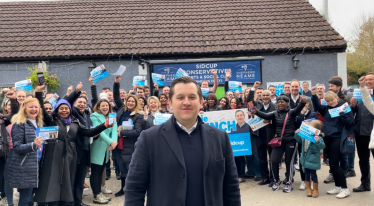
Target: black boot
x,y
120,193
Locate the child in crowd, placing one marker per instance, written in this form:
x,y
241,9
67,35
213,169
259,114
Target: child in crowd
x,y
310,158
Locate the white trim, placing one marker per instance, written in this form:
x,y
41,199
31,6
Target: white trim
x,y
342,67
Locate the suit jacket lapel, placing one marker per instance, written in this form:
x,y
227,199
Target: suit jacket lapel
x,y
206,135
171,137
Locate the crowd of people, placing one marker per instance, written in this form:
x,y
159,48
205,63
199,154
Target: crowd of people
x,y
52,172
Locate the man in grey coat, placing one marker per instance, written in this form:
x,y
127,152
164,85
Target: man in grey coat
x,y
183,162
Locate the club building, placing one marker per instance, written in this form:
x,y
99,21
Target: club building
x,y
270,41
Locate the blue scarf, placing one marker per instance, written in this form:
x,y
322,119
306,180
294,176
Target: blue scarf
x,y
66,121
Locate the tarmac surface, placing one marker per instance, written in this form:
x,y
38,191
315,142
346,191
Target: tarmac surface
x,y
253,194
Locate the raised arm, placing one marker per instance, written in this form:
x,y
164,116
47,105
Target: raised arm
x,y
366,98
215,85
73,96
39,95
14,106
116,94
228,75
155,91
267,116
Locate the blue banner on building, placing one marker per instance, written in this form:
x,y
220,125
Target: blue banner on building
x,y
242,71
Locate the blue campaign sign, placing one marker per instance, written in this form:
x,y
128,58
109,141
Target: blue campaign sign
x,y
241,144
242,71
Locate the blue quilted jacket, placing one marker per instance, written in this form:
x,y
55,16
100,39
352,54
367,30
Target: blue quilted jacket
x,y
23,171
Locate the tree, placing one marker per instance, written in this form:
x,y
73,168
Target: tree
x,y
360,59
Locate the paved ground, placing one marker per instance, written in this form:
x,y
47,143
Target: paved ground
x,y
252,194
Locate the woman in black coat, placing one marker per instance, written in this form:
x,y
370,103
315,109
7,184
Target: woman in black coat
x,y
289,144
58,162
129,111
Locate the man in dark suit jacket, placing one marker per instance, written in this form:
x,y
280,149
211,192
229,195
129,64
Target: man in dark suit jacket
x,y
183,161
264,134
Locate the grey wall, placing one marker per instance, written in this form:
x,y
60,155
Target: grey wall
x,y
71,73
318,68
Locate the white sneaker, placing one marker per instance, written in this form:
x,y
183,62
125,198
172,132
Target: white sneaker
x,y
343,193
334,191
302,186
296,167
105,190
4,201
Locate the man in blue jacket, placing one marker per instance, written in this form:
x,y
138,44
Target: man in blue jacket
x,y
183,162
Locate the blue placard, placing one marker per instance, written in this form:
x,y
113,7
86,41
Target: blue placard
x,y
205,91
307,132
158,79
335,112
242,71
161,118
235,86
241,144
99,73
112,118
139,80
24,85
180,73
323,102
357,94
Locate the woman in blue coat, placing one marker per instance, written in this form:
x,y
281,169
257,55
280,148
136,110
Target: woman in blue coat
x,y
24,168
100,148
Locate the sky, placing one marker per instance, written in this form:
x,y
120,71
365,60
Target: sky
x,y
344,15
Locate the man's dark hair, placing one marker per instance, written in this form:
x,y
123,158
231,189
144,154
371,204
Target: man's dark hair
x,y
271,86
46,102
84,97
146,87
106,88
29,95
184,80
140,88
259,88
306,83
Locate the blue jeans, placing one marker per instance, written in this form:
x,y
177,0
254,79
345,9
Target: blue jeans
x,y
343,163
123,167
25,195
7,188
351,161
253,166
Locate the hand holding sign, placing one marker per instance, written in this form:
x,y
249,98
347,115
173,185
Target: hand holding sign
x,y
316,138
91,80
362,82
38,141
